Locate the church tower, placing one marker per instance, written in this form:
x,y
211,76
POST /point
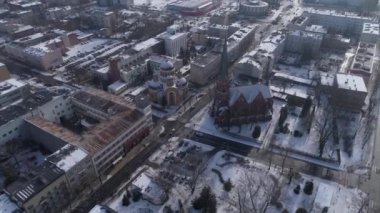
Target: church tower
x,y
220,109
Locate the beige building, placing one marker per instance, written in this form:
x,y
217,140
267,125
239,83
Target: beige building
x,y
204,68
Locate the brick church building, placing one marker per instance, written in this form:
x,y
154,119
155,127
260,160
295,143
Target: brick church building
x,y
240,104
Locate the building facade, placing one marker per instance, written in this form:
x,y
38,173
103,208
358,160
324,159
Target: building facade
x,y
168,87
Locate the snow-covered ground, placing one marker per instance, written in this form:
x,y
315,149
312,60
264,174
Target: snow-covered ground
x,y
6,205
308,143
249,179
325,194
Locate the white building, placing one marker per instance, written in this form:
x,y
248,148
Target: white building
x,y
12,90
259,62
48,105
253,8
174,41
371,33
239,42
341,22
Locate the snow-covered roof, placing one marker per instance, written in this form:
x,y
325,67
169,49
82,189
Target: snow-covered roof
x,y
101,209
249,92
10,85
371,28
148,186
146,44
343,14
294,79
350,82
327,79
67,157
306,34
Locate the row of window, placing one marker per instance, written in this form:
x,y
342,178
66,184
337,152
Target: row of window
x,y
10,132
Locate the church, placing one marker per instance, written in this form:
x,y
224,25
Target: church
x,y
168,87
237,105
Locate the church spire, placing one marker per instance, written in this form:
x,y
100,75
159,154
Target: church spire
x,y
223,75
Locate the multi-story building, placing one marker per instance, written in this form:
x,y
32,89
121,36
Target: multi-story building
x,y
363,62
110,127
12,90
349,91
174,40
77,165
258,63
239,42
49,105
33,51
46,191
204,68
341,22
302,42
371,33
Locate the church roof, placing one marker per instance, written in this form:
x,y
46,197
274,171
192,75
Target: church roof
x,y
249,92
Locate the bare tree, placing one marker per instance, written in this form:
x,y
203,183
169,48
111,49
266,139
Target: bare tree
x,y
251,187
12,147
323,127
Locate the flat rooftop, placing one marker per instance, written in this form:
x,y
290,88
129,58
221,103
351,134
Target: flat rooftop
x,y
190,3
371,28
10,85
34,100
363,60
350,82
102,101
336,13
67,157
145,44
124,115
43,176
